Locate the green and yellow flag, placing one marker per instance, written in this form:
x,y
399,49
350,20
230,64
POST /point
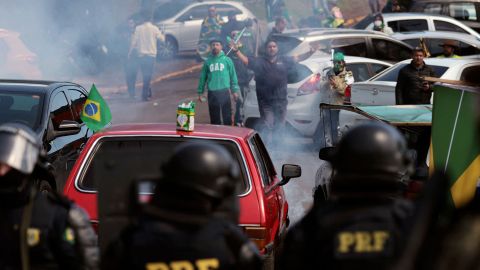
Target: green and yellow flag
x,y
455,139
96,113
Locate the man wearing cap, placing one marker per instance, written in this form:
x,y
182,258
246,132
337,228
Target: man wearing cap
x,y
218,74
449,47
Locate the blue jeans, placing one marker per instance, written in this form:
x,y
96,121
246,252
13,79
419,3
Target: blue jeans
x,y
146,64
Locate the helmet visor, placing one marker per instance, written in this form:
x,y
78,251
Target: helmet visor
x,y
18,151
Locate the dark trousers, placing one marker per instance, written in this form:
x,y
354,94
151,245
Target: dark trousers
x,y
146,64
273,115
220,107
238,119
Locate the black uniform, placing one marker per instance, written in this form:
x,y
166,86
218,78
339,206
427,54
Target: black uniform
x,y
409,85
349,234
59,235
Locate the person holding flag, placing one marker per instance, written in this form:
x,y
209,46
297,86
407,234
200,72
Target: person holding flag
x,y
95,113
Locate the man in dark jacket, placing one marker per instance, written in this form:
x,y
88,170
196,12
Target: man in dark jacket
x,y
37,230
411,87
363,222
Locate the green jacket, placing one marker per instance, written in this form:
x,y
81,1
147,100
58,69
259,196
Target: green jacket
x,y
218,72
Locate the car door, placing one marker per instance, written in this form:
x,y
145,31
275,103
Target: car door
x,y
274,198
189,32
353,46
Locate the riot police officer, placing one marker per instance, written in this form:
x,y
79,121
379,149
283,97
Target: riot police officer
x,y
188,224
361,224
38,230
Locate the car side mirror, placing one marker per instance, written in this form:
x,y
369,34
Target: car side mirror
x,y
290,171
67,127
326,153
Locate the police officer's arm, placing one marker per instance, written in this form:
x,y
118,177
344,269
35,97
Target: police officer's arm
x,y
399,88
203,80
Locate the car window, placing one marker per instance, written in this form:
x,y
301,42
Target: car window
x,y
195,13
59,109
433,8
263,161
463,50
350,46
169,9
466,49
463,11
470,75
377,68
286,44
224,9
446,26
77,100
364,23
408,25
414,42
21,107
360,71
390,51
299,73
391,74
142,157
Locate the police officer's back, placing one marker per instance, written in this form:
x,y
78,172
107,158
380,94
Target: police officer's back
x,y
362,223
37,230
187,225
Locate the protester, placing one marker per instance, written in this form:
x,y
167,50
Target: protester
x,y
243,76
219,75
212,25
271,72
38,230
394,6
375,6
336,16
363,223
232,25
379,25
180,227
449,46
142,53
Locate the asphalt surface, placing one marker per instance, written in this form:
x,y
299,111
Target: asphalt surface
x,y
167,94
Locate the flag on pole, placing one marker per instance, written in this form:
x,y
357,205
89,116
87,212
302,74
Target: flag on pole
x,y
96,113
455,139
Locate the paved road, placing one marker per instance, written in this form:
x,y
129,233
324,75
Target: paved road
x,y
167,94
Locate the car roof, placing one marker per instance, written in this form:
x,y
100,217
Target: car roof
x,y
309,32
437,34
448,1
399,15
348,59
450,62
31,85
201,130
212,2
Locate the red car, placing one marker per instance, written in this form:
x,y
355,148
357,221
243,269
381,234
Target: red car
x,y
263,206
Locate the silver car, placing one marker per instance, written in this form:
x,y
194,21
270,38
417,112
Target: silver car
x,y
406,22
304,92
181,21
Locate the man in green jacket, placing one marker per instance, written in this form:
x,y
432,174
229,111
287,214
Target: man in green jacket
x,y
218,73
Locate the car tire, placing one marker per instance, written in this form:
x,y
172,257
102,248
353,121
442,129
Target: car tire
x,y
167,49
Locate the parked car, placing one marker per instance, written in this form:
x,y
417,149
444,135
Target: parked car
x,y
407,22
52,110
305,91
16,60
363,43
468,45
465,11
380,90
263,205
181,21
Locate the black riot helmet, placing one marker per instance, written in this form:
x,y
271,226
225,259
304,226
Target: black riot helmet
x,y
371,158
19,156
197,180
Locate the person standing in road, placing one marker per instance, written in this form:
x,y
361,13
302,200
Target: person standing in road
x,y
219,75
271,73
280,25
449,46
143,52
181,228
411,88
364,221
38,230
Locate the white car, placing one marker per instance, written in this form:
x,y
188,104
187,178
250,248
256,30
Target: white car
x,y
407,22
304,93
181,21
380,90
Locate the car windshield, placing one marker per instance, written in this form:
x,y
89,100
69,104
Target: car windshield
x,y
391,74
286,44
299,73
137,158
21,108
169,9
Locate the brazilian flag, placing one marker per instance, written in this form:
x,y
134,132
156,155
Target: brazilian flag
x,y
455,139
95,113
